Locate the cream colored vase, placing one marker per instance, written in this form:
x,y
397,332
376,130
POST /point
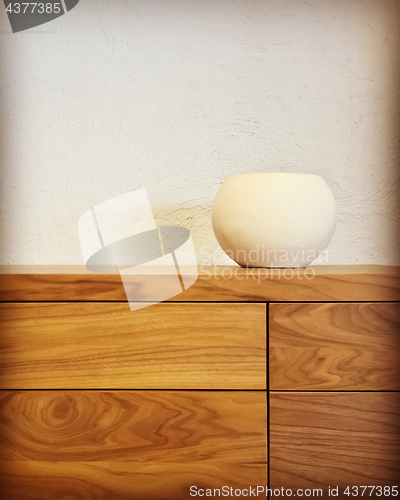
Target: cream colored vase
x,y
274,220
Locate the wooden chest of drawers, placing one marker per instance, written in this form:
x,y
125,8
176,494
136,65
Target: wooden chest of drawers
x,y
248,378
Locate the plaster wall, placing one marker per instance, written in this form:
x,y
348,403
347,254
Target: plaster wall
x,y
176,95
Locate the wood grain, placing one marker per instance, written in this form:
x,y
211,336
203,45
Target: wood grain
x,y
129,444
105,345
334,439
334,346
317,283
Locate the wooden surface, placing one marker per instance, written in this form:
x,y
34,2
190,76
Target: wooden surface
x,y
334,439
334,346
318,283
105,345
116,445
150,444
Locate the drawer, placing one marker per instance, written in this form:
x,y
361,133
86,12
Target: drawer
x,y
334,439
353,346
105,345
129,444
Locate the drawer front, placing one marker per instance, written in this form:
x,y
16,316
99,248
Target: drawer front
x,y
352,346
105,345
129,444
335,439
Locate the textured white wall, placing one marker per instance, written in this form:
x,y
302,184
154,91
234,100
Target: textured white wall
x,y
176,95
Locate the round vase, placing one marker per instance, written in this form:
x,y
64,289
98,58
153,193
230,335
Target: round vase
x,y
274,219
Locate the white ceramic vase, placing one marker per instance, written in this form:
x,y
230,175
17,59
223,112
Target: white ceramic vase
x,y
274,220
